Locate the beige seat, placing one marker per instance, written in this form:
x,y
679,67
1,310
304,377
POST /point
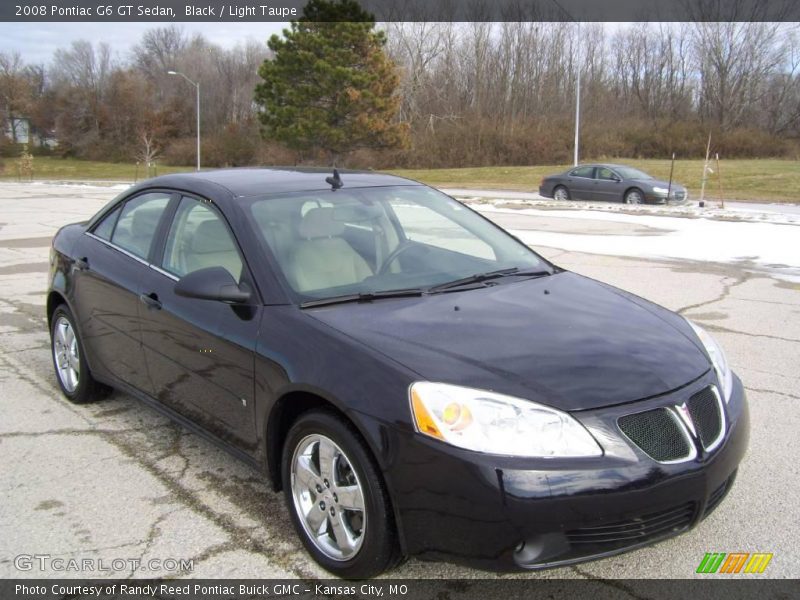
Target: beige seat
x,y
323,259
212,246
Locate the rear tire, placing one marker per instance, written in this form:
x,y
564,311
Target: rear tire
x,y
347,500
561,193
69,360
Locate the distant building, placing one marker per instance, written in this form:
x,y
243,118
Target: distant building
x,y
20,128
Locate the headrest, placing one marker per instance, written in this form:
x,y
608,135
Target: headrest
x,y
319,223
145,221
211,236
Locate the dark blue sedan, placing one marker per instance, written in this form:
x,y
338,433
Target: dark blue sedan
x,y
417,381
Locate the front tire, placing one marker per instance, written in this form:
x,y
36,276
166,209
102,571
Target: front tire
x,y
634,196
337,498
69,360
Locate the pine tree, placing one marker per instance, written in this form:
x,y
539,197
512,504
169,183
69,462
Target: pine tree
x,y
330,87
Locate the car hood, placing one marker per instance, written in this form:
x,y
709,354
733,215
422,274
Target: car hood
x,y
564,340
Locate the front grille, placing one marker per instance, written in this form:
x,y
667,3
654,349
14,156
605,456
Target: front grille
x,y
657,433
704,408
634,531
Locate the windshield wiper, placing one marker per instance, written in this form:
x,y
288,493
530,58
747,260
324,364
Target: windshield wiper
x,y
482,277
363,297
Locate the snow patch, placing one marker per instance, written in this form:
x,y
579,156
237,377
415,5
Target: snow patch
x,y
770,246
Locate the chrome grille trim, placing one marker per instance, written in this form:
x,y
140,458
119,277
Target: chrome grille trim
x,y
722,425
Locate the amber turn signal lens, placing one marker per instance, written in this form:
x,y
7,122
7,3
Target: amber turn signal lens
x,y
425,422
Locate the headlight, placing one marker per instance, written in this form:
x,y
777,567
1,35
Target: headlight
x,y
660,190
496,424
718,359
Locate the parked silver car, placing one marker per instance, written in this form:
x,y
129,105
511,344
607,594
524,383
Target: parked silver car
x,y
610,183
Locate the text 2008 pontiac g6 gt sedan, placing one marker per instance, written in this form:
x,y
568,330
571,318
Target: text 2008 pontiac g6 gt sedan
x,y
416,380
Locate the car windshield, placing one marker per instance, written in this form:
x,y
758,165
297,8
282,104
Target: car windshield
x,y
631,173
383,239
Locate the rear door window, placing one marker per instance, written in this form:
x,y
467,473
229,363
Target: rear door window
x,y
583,172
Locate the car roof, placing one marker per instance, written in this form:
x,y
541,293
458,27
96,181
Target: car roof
x,y
608,165
257,181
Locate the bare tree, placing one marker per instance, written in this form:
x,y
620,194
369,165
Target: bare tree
x,y
734,61
15,92
149,149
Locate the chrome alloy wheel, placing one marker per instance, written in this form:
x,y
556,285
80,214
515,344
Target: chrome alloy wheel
x,y
328,497
65,352
561,194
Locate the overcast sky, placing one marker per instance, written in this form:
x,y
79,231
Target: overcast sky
x,y
36,42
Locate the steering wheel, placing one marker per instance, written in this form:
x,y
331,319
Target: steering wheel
x,y
393,255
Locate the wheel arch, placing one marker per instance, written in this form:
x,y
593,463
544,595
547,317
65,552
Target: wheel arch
x,y
286,410
54,300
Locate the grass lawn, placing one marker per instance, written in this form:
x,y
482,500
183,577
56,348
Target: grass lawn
x,y
51,168
753,180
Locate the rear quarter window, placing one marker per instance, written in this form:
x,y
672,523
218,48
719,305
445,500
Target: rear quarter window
x,y
105,228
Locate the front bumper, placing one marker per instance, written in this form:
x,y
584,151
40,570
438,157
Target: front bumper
x,y
674,198
509,513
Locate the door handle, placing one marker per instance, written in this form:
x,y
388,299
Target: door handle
x,y
82,264
151,301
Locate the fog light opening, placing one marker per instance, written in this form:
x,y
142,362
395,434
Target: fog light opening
x,y
539,549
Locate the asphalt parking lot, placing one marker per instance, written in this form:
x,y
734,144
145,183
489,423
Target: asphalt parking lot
x,y
115,480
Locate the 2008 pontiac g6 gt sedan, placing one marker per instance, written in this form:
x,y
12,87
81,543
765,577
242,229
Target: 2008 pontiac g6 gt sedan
x,y
416,380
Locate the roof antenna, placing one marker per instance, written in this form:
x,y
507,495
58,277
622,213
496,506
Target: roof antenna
x,y
335,182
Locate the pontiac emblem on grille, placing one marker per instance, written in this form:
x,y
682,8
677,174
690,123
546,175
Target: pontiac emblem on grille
x,y
686,417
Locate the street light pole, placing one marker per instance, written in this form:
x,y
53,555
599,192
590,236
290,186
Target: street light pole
x,y
197,89
577,116
578,100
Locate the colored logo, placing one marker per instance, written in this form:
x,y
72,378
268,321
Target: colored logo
x,y
735,562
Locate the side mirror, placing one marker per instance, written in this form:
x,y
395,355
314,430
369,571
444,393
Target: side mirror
x,y
615,179
213,283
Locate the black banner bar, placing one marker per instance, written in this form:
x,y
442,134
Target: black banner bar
x,y
709,587
405,10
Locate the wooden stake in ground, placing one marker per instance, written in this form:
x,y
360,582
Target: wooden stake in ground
x,y
705,171
719,180
671,173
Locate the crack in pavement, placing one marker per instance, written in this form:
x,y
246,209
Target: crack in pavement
x,y
77,432
768,391
153,532
726,290
713,327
